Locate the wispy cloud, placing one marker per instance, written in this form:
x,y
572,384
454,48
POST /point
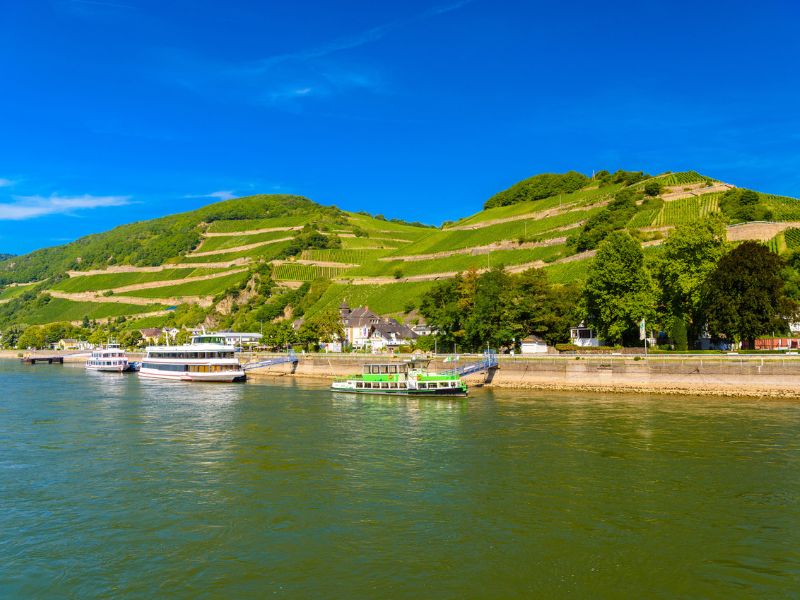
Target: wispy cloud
x,y
31,207
6,182
287,79
220,195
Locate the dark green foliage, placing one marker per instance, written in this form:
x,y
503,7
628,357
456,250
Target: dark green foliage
x,y
685,260
539,187
679,334
310,238
745,297
743,205
615,216
618,291
620,176
498,309
652,188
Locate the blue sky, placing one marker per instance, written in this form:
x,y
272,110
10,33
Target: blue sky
x,y
120,110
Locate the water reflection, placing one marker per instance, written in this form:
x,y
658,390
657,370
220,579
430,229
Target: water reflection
x,y
113,485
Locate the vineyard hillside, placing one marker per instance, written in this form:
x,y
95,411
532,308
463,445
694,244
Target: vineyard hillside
x,y
306,258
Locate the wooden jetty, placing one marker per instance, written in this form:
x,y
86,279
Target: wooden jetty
x,y
32,360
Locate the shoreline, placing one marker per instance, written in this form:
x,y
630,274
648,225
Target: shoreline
x,y
742,376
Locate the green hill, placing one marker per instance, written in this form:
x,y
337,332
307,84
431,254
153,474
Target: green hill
x,y
249,260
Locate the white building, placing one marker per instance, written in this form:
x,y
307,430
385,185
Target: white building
x,y
583,336
533,345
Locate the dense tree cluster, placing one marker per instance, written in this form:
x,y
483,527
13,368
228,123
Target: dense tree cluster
x,y
696,285
310,237
612,218
539,187
743,205
620,177
498,309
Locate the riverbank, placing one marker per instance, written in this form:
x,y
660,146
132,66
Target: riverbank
x,y
727,376
747,376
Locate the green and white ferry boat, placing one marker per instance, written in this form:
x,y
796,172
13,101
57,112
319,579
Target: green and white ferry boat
x,y
408,378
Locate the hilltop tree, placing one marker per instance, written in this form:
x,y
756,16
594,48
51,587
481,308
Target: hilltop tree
x,y
686,258
745,297
539,187
618,291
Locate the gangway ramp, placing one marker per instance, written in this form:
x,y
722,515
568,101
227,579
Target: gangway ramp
x,y
291,357
489,362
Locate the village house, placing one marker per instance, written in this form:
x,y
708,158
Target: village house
x,y
71,344
365,329
150,335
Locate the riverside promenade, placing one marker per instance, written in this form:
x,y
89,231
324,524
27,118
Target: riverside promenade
x,y
776,376
744,375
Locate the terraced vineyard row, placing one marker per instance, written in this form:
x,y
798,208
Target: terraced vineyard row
x,y
234,241
90,283
353,256
208,287
783,208
685,178
290,272
687,210
644,218
387,299
776,244
792,238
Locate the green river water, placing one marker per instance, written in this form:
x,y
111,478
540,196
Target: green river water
x,y
112,486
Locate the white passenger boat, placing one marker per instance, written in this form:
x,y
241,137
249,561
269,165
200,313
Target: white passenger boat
x,y
110,359
207,358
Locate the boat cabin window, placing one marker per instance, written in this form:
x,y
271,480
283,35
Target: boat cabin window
x,y
385,369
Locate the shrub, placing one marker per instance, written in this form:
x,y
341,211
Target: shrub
x,y
652,188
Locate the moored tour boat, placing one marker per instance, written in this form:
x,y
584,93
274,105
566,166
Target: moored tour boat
x,y
409,378
207,358
110,359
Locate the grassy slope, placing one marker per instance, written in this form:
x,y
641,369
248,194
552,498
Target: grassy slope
x,y
12,292
458,262
574,200
383,299
233,241
66,310
397,239
88,283
208,287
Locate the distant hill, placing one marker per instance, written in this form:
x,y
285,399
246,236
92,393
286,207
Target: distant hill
x,y
243,262
6,256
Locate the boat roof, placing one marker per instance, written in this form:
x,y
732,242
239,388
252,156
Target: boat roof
x,y
193,348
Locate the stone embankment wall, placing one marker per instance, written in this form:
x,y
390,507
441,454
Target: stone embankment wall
x,y
710,375
744,375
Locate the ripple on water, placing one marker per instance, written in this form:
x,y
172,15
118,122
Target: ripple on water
x,y
121,486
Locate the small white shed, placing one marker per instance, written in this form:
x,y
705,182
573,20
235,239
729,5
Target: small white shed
x,y
533,345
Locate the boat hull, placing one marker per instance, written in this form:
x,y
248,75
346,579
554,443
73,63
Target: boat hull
x,y
109,369
437,393
221,377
